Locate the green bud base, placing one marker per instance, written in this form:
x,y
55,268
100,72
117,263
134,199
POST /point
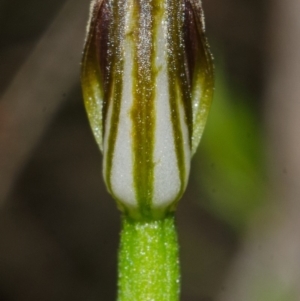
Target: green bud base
x,y
148,261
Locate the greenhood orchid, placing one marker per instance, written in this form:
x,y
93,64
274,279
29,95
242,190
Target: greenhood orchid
x,y
147,80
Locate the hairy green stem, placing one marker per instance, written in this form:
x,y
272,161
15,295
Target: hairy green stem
x,y
148,261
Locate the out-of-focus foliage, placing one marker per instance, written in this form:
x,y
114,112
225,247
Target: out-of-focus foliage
x,y
269,288
230,164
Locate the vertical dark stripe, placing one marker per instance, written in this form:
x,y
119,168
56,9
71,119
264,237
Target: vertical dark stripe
x,y
117,36
143,113
197,45
183,82
91,80
105,48
178,87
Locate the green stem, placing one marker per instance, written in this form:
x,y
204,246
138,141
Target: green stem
x,y
148,261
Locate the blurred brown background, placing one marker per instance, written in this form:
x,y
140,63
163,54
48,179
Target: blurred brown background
x,y
238,221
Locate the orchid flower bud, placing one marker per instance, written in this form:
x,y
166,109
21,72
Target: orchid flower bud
x,y
147,80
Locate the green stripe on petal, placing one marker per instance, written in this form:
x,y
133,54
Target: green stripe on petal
x,y
114,94
143,114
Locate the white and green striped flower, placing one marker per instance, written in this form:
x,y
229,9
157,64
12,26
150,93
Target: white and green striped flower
x,y
147,80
